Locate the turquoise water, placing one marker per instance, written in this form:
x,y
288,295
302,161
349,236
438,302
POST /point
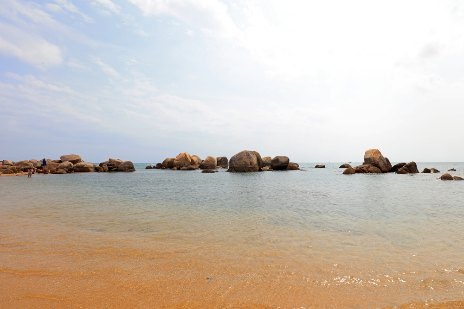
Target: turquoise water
x,y
404,232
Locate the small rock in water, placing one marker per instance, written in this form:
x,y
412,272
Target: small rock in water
x,y
452,170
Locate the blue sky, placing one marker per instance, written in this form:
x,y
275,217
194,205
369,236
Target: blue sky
x,y
319,81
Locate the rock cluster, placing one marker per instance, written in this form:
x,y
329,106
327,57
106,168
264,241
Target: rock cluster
x,y
449,177
376,163
67,164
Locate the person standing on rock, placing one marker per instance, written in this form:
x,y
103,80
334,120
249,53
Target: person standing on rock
x,y
44,164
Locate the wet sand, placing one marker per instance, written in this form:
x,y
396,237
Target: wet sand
x,y
51,266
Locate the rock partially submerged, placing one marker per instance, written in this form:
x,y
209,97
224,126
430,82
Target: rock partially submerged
x,y
279,163
185,160
267,161
222,162
210,163
245,161
410,168
346,165
292,166
446,177
374,157
349,171
320,166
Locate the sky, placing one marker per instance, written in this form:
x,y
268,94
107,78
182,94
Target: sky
x,y
317,81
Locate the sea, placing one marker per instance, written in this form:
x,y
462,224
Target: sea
x,y
312,238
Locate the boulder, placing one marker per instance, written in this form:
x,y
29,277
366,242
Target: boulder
x,y
208,171
410,168
349,171
59,171
374,157
188,168
57,161
346,165
116,162
149,167
446,177
98,168
84,167
373,169
34,162
66,165
396,167
267,161
209,163
222,162
292,166
158,166
320,166
361,169
185,159
457,178
126,166
245,161
73,158
197,159
174,168
7,162
24,164
452,170
426,170
104,167
434,170
279,163
7,171
168,163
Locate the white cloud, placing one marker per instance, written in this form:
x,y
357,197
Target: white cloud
x,y
32,80
28,47
142,33
76,64
109,5
106,68
67,5
189,32
210,16
105,13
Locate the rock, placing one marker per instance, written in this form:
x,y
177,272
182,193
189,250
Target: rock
x,y
267,161
174,168
361,169
185,159
346,165
188,168
320,166
374,169
59,171
208,171
7,162
24,165
457,178
34,162
374,157
84,167
410,168
349,171
434,170
104,168
57,161
116,162
426,170
396,167
126,166
66,165
222,162
98,168
292,166
209,163
149,167
158,166
73,158
197,159
168,163
279,163
245,161
452,170
446,177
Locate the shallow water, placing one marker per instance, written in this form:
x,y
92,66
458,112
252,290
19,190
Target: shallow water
x,y
312,238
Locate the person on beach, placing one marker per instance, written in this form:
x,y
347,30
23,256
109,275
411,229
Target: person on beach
x,y
29,172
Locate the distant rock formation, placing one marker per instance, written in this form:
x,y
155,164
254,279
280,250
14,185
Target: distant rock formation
x,y
222,162
279,163
184,160
349,171
410,168
292,166
168,163
73,158
210,163
245,161
320,166
374,157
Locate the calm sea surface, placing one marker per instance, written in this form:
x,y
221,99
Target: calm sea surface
x,y
384,239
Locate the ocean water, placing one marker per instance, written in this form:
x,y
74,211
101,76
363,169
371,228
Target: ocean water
x,y
312,238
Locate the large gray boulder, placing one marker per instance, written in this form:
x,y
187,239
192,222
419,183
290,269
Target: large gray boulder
x,y
374,157
245,161
73,158
280,163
